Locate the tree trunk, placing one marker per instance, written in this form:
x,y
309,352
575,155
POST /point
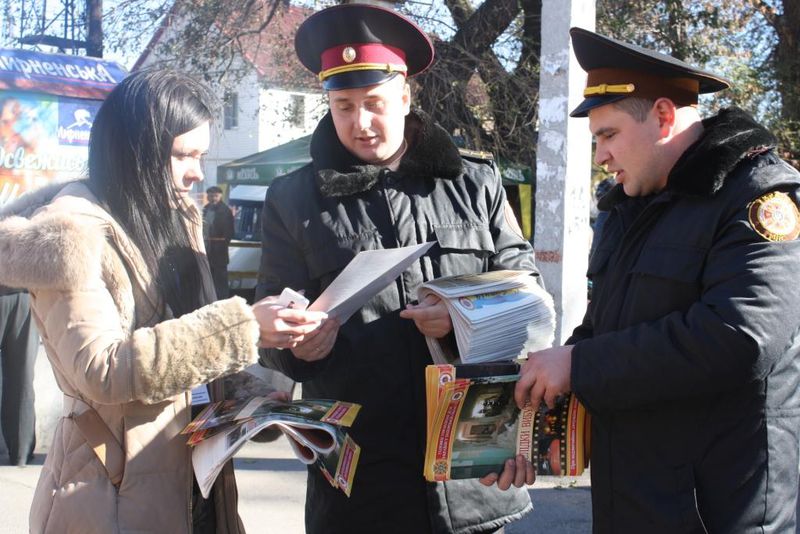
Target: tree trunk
x,y
94,37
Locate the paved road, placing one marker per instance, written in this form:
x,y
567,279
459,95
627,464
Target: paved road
x,y
272,488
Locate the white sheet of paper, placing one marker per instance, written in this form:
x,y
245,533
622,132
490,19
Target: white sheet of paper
x,y
200,395
366,274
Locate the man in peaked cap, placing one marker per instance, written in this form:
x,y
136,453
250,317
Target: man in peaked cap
x,y
687,355
383,176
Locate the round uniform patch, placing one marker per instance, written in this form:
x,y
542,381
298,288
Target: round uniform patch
x,y
775,217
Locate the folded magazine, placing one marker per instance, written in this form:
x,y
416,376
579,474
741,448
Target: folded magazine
x,y
314,428
474,425
497,315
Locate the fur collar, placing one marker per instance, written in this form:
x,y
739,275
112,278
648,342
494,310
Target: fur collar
x,y
51,238
431,153
728,138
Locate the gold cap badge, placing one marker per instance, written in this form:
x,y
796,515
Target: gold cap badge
x,y
775,217
349,54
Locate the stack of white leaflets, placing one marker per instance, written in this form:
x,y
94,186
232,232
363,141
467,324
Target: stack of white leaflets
x,y
499,315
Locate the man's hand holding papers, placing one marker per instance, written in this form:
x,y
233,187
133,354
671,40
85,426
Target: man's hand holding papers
x,y
431,316
498,315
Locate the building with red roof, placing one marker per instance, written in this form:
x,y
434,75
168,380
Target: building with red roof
x,y
268,97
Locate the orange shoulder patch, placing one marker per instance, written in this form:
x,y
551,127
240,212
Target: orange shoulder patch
x,y
775,217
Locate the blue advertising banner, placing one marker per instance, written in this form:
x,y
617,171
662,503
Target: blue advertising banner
x,y
47,106
75,119
58,74
43,139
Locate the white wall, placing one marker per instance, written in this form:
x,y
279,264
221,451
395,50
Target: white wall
x,y
275,126
262,119
263,123
227,145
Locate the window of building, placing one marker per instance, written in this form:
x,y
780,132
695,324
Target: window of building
x,y
231,111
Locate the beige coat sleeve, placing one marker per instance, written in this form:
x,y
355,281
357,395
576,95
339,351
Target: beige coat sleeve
x,y
110,366
59,256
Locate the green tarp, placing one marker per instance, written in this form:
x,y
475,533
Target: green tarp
x,y
263,167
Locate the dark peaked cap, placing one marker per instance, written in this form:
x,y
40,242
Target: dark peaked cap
x,y
618,70
356,45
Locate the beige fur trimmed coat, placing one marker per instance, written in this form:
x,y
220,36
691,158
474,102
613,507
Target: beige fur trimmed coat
x,y
95,305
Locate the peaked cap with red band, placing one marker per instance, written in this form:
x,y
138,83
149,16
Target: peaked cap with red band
x,y
357,45
618,70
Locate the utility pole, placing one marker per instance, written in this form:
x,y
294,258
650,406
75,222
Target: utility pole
x,y
562,233
94,34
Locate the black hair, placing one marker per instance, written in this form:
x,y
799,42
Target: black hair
x,y
214,189
130,170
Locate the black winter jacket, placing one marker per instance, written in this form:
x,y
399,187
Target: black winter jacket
x,y
687,357
315,221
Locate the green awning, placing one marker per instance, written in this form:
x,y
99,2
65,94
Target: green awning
x,y
263,167
513,174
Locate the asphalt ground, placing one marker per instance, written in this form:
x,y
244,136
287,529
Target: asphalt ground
x,y
272,492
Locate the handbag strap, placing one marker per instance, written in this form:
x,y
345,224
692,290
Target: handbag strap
x,y
98,436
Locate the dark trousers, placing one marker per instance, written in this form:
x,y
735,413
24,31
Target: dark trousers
x,y
219,274
19,344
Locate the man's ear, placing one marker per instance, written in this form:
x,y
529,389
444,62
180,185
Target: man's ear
x,y
664,110
406,98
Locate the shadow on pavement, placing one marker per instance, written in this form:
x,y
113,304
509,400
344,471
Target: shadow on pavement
x,y
561,509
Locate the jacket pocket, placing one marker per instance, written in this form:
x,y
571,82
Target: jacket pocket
x,y
476,239
465,248
667,279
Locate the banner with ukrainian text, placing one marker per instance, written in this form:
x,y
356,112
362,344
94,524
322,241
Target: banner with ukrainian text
x,y
58,74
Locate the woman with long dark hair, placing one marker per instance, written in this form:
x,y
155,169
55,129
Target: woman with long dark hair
x,y
122,294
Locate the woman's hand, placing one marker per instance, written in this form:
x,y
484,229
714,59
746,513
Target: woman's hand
x,y
282,327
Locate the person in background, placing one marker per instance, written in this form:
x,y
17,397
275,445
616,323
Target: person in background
x,y
18,338
383,177
19,344
687,358
217,234
122,295
600,191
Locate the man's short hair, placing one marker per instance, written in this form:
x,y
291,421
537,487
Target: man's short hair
x,y
638,108
213,189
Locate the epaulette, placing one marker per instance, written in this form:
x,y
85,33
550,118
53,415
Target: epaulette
x,y
478,156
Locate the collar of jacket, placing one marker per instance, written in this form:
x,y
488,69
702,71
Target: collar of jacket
x,y
728,138
431,153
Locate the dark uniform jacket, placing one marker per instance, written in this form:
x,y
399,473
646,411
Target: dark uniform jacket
x,y
315,221
217,232
687,358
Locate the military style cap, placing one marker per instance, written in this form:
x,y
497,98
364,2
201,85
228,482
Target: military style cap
x,y
617,70
357,45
